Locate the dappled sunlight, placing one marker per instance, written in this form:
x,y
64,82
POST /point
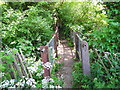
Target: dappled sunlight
x,y
66,54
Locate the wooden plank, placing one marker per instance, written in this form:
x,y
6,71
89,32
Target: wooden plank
x,y
50,41
17,67
85,58
76,46
44,56
22,65
79,51
55,44
12,73
50,54
24,62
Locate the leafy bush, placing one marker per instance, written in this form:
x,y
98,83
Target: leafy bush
x,y
101,77
26,29
86,14
104,54
106,38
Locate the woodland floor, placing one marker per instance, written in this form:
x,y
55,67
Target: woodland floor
x,y
66,55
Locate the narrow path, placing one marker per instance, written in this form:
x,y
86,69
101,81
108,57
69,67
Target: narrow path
x,y
66,55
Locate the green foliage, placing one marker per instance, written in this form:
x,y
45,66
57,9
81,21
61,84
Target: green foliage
x,y
81,13
104,47
26,29
106,38
2,68
56,67
113,10
99,78
80,80
30,25
70,42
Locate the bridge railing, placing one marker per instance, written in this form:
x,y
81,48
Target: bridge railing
x,y
82,51
49,52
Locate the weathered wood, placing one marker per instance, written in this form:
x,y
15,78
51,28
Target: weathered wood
x,y
44,56
79,51
22,65
57,36
85,58
12,73
15,64
51,54
23,58
106,56
102,62
17,67
76,46
55,44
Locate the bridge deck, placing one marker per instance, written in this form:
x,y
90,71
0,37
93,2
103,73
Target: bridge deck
x,y
66,56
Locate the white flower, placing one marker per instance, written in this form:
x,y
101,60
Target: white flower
x,y
21,84
12,81
45,86
18,83
45,82
32,80
6,84
32,69
115,54
1,74
33,86
51,80
1,86
47,65
39,74
96,1
104,12
51,86
26,78
23,76
29,82
58,86
95,78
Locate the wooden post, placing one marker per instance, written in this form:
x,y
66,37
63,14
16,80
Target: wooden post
x,y
57,36
85,58
44,56
76,46
55,44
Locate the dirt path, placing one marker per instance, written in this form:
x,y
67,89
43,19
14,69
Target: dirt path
x,y
66,54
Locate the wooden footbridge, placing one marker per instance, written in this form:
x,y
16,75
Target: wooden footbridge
x,y
56,47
